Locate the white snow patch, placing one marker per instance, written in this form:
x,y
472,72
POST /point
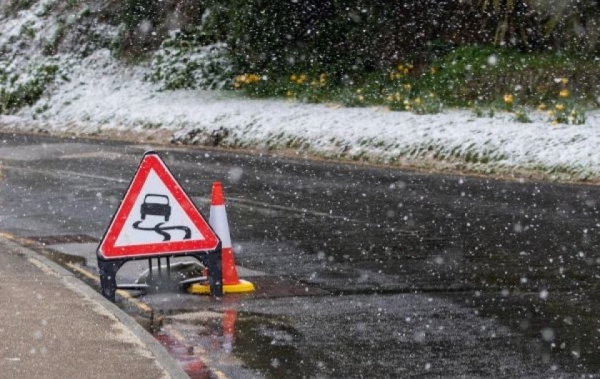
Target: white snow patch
x,y
104,94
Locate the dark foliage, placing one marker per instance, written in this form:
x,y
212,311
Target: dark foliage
x,y
343,36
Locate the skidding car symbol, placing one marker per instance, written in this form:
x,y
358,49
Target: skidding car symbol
x,y
157,205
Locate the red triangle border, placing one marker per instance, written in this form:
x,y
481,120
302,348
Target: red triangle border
x,y
152,162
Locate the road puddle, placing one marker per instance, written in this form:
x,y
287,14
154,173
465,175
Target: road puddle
x,y
270,345
235,342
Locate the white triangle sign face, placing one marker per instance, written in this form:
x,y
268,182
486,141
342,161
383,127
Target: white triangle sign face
x,y
156,217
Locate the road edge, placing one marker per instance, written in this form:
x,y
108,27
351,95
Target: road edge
x,y
163,358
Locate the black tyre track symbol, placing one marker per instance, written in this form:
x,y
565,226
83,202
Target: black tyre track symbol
x,y
158,229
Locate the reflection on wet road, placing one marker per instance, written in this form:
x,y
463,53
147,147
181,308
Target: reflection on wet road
x,y
360,272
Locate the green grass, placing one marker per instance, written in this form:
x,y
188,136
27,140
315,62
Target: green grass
x,y
485,79
24,89
481,75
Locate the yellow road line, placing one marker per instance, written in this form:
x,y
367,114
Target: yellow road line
x,y
219,374
176,334
140,304
83,272
14,238
124,294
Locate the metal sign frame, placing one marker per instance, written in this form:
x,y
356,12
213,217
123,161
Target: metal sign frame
x,y
111,257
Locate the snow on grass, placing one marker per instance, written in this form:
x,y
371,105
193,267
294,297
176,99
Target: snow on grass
x,y
105,95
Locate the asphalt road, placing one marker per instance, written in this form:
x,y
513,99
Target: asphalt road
x,y
362,272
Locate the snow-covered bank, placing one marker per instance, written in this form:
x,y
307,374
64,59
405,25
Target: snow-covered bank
x,y
99,95
104,95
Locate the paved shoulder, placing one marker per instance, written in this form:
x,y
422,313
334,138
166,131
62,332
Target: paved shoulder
x,y
54,326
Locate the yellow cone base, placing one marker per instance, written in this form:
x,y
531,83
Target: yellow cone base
x,y
243,286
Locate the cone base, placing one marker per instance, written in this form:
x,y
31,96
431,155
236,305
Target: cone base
x,y
243,286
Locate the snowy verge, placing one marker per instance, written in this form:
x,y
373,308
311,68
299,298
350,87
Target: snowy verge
x,y
103,96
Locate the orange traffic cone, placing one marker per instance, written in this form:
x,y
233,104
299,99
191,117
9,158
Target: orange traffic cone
x,y
218,221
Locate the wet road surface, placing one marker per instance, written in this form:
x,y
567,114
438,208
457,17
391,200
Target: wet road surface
x,y
360,272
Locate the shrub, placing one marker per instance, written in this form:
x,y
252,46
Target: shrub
x,y
183,61
24,88
341,37
479,74
14,6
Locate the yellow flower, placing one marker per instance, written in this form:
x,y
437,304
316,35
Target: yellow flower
x,y
398,96
550,112
245,79
564,80
432,70
390,98
361,98
298,79
289,94
564,93
542,107
400,67
508,98
418,101
560,107
406,86
323,78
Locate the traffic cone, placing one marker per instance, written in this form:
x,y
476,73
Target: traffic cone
x,y
218,221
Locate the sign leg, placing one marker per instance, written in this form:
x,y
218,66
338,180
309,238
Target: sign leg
x,y
215,272
169,268
108,277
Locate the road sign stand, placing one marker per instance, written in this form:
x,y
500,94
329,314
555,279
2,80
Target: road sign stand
x,y
156,219
144,286
211,259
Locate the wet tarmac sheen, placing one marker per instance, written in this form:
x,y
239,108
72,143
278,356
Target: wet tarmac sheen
x,y
367,272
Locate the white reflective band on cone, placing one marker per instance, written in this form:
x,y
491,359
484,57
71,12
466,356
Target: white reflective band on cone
x,y
218,221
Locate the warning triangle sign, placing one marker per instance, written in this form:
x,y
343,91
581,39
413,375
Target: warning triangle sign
x,y
156,217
